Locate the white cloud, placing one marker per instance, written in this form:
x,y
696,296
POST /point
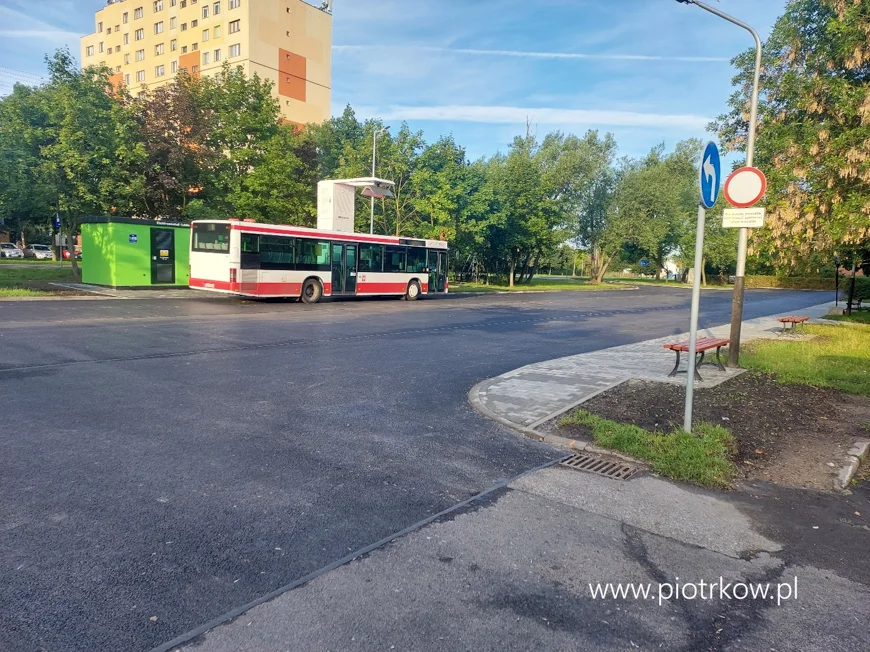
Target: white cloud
x,y
546,116
44,34
531,55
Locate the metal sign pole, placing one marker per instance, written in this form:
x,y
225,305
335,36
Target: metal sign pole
x,y
693,326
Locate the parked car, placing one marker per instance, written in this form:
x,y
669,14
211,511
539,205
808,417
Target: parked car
x,y
9,250
66,254
38,251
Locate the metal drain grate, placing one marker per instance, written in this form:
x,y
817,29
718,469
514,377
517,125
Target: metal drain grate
x,y
609,468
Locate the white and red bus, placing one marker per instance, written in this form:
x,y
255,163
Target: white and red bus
x,y
270,260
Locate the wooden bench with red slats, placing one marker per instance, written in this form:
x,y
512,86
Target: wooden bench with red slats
x,y
703,345
794,320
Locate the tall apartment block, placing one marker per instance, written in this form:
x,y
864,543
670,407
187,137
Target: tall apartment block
x,y
146,42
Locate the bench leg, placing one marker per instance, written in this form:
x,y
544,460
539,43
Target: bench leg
x,y
718,359
698,365
676,366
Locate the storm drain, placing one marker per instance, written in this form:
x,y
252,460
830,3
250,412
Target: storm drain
x,y
609,468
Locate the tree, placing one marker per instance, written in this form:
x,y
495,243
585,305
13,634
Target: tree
x,y
814,130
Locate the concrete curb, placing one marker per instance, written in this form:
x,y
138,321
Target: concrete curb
x,y
572,445
857,454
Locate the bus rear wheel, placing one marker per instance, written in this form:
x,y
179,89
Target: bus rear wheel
x,y
311,291
413,291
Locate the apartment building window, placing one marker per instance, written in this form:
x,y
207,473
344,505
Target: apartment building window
x,y
194,23
217,31
206,58
140,75
140,34
125,17
217,56
205,12
109,51
216,8
160,71
183,49
172,3
194,47
234,4
100,27
127,39
158,49
173,45
127,59
235,50
117,68
138,13
158,5
89,51
173,67
127,80
183,3
235,26
195,69
183,27
108,31
173,22
158,27
101,47
140,55
205,35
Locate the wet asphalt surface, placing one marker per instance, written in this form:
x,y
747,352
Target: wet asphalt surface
x,y
176,459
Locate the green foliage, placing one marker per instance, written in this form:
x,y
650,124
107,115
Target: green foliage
x,y
703,458
839,357
814,130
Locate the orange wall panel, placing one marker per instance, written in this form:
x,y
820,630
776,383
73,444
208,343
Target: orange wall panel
x,y
291,74
188,61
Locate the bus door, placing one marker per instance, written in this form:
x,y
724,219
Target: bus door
x,y
344,265
437,270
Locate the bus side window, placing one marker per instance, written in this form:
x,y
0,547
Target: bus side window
x,y
395,259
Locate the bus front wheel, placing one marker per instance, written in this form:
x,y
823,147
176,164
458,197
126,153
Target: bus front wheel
x,y
311,291
413,291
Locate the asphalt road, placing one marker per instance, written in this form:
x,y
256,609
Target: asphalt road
x,y
176,459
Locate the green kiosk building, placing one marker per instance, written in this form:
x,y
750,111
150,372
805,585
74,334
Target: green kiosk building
x,y
135,253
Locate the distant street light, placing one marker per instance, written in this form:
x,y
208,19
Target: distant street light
x,y
740,276
377,132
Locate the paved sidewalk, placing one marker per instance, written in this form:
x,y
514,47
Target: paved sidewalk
x,y
532,395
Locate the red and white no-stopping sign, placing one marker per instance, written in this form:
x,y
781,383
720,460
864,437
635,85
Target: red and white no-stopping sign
x,y
745,187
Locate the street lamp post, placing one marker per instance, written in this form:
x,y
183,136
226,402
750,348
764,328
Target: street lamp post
x,y
740,276
377,132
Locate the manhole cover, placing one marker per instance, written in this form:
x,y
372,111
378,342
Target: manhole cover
x,y
609,468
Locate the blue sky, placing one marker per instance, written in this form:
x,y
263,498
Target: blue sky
x,y
646,70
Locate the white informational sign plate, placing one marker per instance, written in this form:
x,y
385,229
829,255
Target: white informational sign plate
x,y
743,218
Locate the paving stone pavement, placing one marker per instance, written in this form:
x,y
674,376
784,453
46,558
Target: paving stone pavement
x,y
536,393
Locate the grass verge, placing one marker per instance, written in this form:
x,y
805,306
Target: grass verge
x,y
839,357
705,458
857,316
32,281
537,284
21,292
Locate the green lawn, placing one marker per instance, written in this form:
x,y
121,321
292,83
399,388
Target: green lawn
x,y
539,284
32,280
704,458
857,316
27,261
839,357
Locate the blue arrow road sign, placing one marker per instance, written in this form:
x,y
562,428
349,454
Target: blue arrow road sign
x,y
711,175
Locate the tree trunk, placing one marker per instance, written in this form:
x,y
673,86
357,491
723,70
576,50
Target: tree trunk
x,y
574,269
704,271
511,273
604,264
71,247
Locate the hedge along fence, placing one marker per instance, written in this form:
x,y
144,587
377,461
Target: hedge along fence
x,y
792,282
862,284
